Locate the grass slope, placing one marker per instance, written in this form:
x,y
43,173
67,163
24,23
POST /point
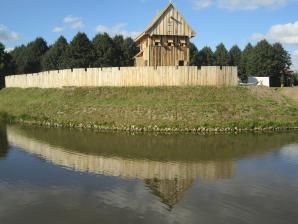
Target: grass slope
x,y
189,107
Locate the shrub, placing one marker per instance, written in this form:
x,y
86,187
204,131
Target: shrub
x,y
296,79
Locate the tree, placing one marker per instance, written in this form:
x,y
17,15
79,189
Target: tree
x,y
118,42
33,55
206,57
2,55
221,55
235,56
2,65
53,59
129,49
263,60
79,53
19,58
295,75
9,65
193,55
124,50
282,59
27,59
245,62
105,50
6,64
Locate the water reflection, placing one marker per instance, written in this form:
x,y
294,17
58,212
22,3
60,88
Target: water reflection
x,y
290,153
166,165
3,141
166,179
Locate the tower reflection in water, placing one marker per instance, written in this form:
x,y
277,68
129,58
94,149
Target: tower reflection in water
x,y
168,165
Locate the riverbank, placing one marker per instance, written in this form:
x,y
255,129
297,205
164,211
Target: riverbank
x,y
166,109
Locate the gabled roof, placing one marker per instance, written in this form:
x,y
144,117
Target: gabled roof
x,y
160,16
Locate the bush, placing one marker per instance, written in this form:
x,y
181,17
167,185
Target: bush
x,y
296,79
2,81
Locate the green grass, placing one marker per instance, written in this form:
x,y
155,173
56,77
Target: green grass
x,y
189,107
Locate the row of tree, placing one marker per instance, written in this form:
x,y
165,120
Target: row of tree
x,y
263,59
102,51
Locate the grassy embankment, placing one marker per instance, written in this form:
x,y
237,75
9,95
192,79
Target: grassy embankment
x,y
214,108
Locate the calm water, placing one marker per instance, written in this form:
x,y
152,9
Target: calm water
x,y
63,176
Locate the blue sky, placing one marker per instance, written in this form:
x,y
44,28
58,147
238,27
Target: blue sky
x,y
228,21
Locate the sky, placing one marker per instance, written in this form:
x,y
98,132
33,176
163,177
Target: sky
x,y
215,21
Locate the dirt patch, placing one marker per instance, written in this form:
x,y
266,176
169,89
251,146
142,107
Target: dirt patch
x,y
291,93
266,93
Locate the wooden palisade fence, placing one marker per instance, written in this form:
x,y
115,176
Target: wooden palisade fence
x,y
128,76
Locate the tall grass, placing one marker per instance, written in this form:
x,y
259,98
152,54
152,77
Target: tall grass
x,y
188,107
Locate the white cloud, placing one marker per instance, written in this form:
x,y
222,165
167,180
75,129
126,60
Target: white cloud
x,y
119,28
73,22
283,33
8,35
252,4
258,36
57,29
241,4
9,49
201,4
295,60
295,53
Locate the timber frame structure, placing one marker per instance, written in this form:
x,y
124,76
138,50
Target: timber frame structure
x,y
165,42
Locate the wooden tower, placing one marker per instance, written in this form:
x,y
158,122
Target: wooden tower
x,y
165,42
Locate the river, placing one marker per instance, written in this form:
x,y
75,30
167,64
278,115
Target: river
x,y
72,176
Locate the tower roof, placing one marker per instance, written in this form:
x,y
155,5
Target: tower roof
x,y
168,22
